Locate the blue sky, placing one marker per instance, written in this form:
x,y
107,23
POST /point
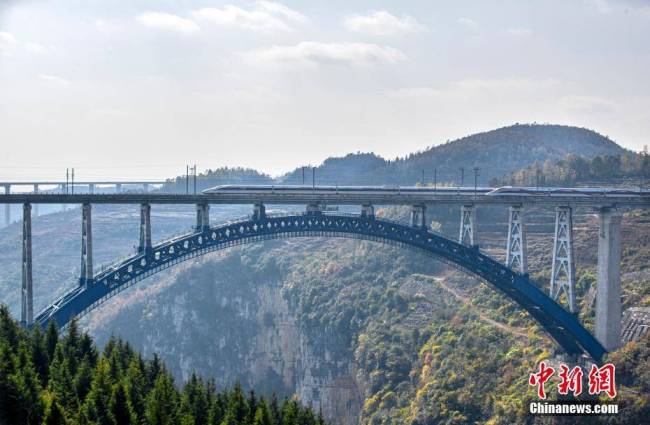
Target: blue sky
x,y
140,88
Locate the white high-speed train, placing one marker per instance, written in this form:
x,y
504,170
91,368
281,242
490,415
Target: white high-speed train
x,y
307,189
566,191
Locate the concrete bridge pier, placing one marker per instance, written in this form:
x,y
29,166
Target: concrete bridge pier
x,y
467,222
26,310
7,206
314,209
563,269
118,187
368,211
516,257
202,217
608,289
145,229
91,188
259,211
418,216
36,205
86,275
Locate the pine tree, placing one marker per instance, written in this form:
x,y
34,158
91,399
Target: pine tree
x,y
7,386
61,380
27,386
51,339
252,406
290,412
9,330
217,409
83,380
262,414
161,407
276,415
40,358
71,346
135,386
120,407
54,414
237,404
194,400
97,402
153,370
229,419
114,365
87,350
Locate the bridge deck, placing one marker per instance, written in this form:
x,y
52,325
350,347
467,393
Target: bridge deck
x,y
81,182
330,195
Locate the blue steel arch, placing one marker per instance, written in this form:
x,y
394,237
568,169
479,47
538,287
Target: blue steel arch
x,y
560,324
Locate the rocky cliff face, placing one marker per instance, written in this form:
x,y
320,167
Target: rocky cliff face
x,y
217,317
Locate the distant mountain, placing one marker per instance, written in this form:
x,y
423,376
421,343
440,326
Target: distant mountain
x,y
211,178
496,153
354,168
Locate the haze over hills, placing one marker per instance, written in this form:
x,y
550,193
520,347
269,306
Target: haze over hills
x,y
358,328
496,152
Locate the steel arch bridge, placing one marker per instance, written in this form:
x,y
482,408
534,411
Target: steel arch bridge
x,y
563,326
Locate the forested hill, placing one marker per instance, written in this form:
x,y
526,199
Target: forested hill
x,y
52,380
632,169
497,152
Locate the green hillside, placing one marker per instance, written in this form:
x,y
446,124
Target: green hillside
x,y
372,334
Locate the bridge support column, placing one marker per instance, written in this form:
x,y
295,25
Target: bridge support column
x,y
608,293
516,255
314,209
36,205
562,272
7,206
467,219
418,216
259,212
91,188
202,217
145,229
145,187
86,245
118,187
26,310
368,211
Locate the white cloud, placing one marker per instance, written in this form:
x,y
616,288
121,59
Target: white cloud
x,y
9,44
471,87
382,23
641,7
53,79
167,21
414,93
311,52
281,10
519,32
587,104
601,6
468,23
265,16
